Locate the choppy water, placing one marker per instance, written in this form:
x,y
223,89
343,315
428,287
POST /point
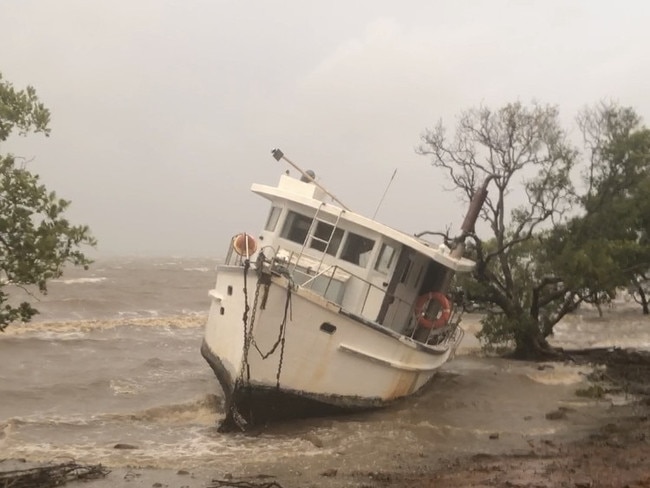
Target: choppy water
x,y
114,358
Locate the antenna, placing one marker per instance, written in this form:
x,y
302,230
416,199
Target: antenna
x,y
384,195
278,155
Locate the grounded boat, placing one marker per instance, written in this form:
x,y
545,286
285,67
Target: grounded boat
x,y
331,311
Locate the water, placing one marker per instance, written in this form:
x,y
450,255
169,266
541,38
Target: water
x,y
114,358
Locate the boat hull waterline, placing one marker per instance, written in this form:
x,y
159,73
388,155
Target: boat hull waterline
x,y
294,354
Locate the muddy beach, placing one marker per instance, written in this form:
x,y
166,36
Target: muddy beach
x,y
595,433
600,439
588,426
483,421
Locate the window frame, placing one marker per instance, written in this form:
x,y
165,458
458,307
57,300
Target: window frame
x,y
346,242
274,217
289,227
385,268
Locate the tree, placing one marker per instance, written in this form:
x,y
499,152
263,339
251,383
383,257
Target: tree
x,y
606,246
525,153
36,240
561,247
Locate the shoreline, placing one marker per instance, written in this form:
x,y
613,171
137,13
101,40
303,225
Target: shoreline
x,y
606,445
449,436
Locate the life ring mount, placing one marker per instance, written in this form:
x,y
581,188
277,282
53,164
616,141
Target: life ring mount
x,y
444,310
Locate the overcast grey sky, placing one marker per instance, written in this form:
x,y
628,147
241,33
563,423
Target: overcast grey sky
x,y
165,111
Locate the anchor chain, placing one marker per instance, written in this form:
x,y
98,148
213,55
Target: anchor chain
x,y
237,417
280,341
283,328
248,319
247,335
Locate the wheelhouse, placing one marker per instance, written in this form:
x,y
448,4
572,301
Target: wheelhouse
x,y
369,270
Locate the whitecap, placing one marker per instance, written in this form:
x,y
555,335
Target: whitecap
x,y
125,387
79,281
559,374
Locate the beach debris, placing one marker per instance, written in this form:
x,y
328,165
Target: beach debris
x,y
122,445
558,414
593,391
52,475
244,484
314,439
330,472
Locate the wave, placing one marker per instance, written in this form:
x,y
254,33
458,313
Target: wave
x,y
560,374
203,410
68,326
78,281
199,269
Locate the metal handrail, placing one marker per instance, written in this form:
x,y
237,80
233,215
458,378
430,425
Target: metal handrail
x,y
450,334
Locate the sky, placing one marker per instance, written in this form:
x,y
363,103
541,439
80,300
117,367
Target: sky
x,y
164,112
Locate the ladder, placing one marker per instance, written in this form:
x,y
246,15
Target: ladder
x,y
319,217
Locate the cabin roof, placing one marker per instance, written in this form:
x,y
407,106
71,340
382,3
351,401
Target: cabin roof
x,y
308,195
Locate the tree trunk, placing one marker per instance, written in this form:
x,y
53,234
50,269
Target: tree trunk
x,y
644,300
530,343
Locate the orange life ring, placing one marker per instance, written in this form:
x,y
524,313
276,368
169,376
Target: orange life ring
x,y
421,306
244,245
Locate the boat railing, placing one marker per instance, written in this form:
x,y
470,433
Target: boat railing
x,y
331,282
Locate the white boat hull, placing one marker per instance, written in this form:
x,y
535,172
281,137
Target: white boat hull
x,y
323,359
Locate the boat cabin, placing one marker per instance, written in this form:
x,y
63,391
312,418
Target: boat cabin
x,y
370,270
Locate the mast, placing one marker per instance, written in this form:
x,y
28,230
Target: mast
x,y
278,155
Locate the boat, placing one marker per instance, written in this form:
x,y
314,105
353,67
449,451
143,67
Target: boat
x,y
327,310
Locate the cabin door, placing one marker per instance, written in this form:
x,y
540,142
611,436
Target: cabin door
x,y
403,290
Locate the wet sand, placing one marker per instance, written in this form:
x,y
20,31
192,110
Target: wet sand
x,y
582,422
603,444
592,434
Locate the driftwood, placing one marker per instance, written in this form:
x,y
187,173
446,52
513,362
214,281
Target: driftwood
x,y
243,484
51,475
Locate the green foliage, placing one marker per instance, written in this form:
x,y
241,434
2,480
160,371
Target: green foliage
x,y
607,246
541,259
36,240
20,110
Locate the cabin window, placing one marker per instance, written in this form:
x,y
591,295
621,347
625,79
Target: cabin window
x,y
405,273
326,232
386,258
357,249
296,227
272,221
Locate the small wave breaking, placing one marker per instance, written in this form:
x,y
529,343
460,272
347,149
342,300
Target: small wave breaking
x,y
70,326
81,281
204,410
